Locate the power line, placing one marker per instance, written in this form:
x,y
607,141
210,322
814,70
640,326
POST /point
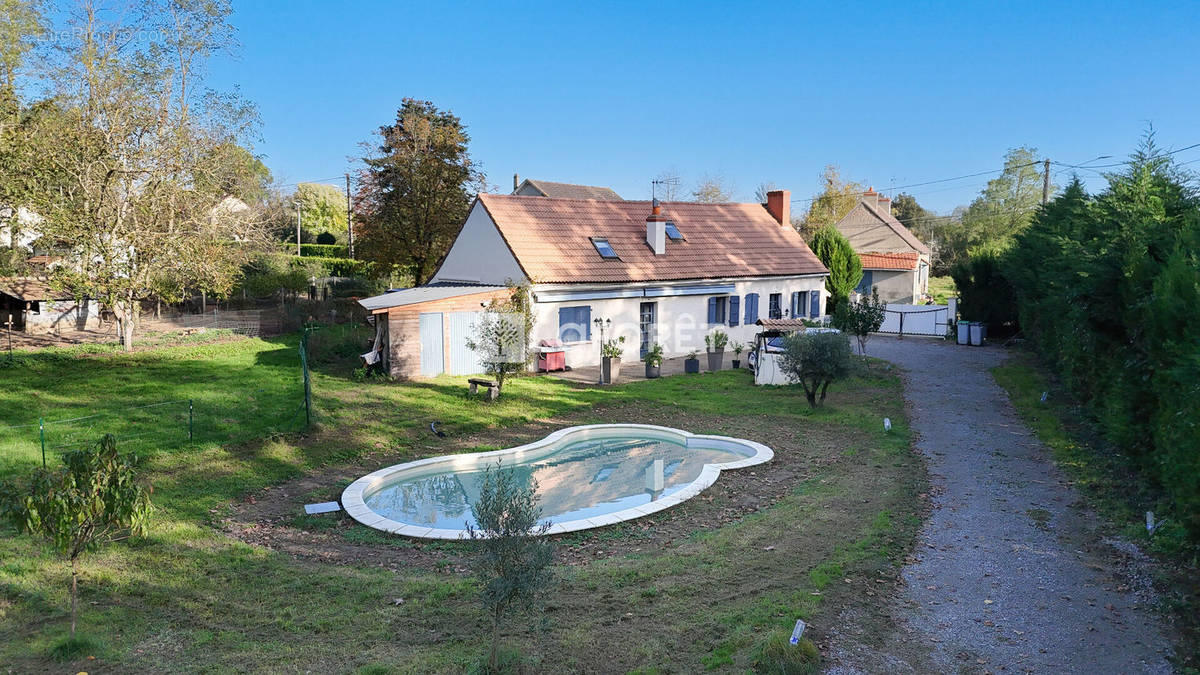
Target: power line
x,y
1128,161
941,180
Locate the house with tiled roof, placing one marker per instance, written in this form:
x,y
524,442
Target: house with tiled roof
x,y
546,188
654,273
894,260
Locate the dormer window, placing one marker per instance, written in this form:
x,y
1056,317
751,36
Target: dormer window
x,y
673,232
604,248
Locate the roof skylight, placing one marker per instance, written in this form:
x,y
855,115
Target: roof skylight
x,y
604,248
673,232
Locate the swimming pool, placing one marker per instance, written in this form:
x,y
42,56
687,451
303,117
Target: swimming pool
x,y
588,476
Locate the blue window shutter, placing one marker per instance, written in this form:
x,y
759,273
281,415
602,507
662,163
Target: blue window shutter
x,y
751,308
816,304
712,310
734,301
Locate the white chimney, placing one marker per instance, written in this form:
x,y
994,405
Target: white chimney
x,y
656,229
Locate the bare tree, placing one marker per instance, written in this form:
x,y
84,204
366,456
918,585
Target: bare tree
x,y
713,189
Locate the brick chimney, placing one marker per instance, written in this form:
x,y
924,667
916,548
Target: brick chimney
x,y
516,182
885,204
656,229
779,205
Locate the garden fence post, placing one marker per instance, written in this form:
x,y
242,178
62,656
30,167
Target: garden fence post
x,y
42,433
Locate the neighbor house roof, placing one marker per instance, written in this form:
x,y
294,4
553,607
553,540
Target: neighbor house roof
x,y
412,296
551,240
889,261
30,290
569,190
885,216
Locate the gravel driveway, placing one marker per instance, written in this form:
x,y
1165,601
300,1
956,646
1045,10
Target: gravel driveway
x,y
1011,573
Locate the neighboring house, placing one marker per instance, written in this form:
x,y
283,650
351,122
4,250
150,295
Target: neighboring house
x,y
654,273
35,307
545,188
893,259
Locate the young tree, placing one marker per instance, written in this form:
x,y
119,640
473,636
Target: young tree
x,y
861,318
845,267
130,155
814,360
416,190
836,199
513,558
501,336
93,500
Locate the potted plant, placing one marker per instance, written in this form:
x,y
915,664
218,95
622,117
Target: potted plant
x,y
653,359
715,342
738,348
611,363
691,364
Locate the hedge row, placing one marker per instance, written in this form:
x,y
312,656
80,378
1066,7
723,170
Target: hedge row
x,y
1107,287
335,267
317,250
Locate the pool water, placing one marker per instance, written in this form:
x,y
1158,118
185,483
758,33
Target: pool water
x,y
576,481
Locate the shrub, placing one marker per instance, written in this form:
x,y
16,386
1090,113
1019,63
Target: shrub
x,y
326,239
985,292
815,360
513,558
861,318
778,656
716,340
654,355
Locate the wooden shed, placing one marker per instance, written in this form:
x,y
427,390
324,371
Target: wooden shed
x,y
422,332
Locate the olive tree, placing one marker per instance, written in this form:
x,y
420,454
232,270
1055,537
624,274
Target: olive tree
x,y
513,558
861,318
93,500
815,360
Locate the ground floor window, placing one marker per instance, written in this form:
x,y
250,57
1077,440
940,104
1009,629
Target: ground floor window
x,y
864,286
775,310
575,323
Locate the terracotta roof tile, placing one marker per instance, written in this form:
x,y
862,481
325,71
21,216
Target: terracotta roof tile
x,y
889,261
551,240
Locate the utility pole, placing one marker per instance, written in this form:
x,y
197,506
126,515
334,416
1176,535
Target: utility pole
x,y
1046,181
349,220
297,227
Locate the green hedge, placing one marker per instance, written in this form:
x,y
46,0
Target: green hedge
x,y
1107,287
317,250
335,267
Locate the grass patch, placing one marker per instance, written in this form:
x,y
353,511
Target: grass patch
x,y
189,597
74,648
1113,485
942,288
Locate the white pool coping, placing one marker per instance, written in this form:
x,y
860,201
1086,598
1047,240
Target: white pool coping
x,y
354,496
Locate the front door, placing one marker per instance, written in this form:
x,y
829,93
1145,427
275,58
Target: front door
x,y
649,309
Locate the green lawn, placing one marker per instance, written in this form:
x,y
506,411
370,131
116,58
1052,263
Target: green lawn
x,y
942,288
819,531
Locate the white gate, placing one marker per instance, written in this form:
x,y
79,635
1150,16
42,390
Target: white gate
x,y
916,320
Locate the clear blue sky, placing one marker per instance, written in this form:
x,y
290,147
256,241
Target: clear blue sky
x,y
614,94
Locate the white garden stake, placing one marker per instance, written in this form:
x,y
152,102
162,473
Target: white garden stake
x,y
887,424
798,631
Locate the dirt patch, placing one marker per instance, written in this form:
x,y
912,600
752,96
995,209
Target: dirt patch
x,y
274,517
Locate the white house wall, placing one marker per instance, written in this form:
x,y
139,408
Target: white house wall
x,y
479,254
681,321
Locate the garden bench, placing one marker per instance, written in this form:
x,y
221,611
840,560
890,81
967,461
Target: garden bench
x,y
493,389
